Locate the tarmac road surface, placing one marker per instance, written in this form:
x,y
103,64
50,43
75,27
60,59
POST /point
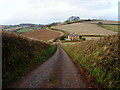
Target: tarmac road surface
x,y
57,72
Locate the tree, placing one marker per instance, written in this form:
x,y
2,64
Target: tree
x,y
100,23
72,18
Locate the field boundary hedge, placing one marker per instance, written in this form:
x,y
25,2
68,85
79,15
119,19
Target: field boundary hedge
x,y
100,58
21,54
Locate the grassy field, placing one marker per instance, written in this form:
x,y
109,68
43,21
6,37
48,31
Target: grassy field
x,y
103,21
12,28
35,28
22,30
110,27
43,34
84,29
20,55
100,58
25,30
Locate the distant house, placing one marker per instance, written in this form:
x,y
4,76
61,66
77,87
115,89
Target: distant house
x,y
73,37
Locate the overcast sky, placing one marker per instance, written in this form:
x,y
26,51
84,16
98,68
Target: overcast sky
x,y
48,11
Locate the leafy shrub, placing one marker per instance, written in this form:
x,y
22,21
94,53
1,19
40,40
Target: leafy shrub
x,y
82,38
62,38
100,23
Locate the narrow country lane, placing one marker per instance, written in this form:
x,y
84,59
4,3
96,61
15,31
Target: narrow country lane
x,y
56,72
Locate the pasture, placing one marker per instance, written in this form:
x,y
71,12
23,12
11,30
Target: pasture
x,y
24,30
28,29
103,21
11,29
110,27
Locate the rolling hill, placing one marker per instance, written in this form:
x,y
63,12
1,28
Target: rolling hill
x,y
103,21
84,29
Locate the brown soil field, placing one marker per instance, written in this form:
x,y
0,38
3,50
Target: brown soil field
x,y
84,29
42,34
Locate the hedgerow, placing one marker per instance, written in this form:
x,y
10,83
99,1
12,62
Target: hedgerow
x,y
20,55
100,58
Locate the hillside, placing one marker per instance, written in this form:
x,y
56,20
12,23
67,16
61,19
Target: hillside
x,y
20,54
100,58
103,21
1,27
106,24
111,27
43,34
84,29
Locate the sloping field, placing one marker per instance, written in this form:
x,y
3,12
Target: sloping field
x,y
111,27
42,34
103,21
84,29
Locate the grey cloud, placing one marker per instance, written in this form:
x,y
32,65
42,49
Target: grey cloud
x,y
46,11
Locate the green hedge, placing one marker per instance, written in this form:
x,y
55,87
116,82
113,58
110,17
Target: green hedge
x,y
20,55
100,58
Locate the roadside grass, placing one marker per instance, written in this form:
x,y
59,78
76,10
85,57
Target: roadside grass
x,y
99,57
110,27
21,55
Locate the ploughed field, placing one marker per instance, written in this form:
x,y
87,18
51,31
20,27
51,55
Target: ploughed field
x,y
84,29
42,34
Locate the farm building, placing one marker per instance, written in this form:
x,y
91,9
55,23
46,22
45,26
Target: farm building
x,y
73,37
